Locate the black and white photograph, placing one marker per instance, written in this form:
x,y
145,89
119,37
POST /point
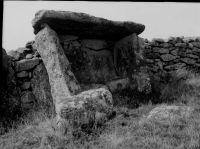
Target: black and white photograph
x,y
100,75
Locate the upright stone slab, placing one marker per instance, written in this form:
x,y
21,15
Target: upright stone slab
x,y
128,56
42,89
62,80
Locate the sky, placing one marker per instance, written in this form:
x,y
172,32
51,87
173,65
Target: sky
x,y
161,19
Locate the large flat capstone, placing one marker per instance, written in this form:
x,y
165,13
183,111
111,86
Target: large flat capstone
x,y
84,25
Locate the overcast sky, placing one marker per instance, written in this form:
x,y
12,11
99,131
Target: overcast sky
x,y
161,20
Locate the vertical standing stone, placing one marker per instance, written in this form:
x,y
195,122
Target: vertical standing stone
x,y
128,54
42,89
62,80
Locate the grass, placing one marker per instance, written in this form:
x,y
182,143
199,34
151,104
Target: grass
x,y
128,130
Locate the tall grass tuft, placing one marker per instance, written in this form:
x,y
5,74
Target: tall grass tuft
x,y
183,86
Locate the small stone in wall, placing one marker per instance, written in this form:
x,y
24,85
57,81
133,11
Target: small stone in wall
x,y
189,51
163,51
167,57
30,74
197,39
25,86
197,64
188,61
193,56
149,61
22,74
174,66
26,64
196,50
166,45
196,44
171,39
190,45
179,39
175,52
159,40
183,45
15,55
27,100
29,56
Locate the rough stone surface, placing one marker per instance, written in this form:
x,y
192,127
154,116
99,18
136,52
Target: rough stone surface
x,y
188,61
62,80
26,64
167,57
175,66
183,54
163,51
128,55
84,25
27,100
196,44
159,40
15,55
166,114
41,88
25,85
22,74
64,38
94,44
89,65
89,107
29,56
96,66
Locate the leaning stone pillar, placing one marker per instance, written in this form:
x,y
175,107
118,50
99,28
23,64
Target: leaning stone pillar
x,y
72,109
128,57
62,80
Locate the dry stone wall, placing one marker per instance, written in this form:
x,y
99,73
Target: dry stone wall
x,y
31,78
166,56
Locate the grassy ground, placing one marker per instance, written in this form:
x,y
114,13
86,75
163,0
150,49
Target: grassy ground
x,y
126,131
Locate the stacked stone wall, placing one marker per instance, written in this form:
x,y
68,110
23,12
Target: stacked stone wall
x,y
31,78
166,56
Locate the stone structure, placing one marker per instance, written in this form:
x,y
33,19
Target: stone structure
x,y
76,49
166,56
78,60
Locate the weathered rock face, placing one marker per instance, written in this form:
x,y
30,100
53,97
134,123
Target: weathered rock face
x,y
28,100
84,25
87,108
90,62
128,55
166,114
41,88
62,80
26,64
